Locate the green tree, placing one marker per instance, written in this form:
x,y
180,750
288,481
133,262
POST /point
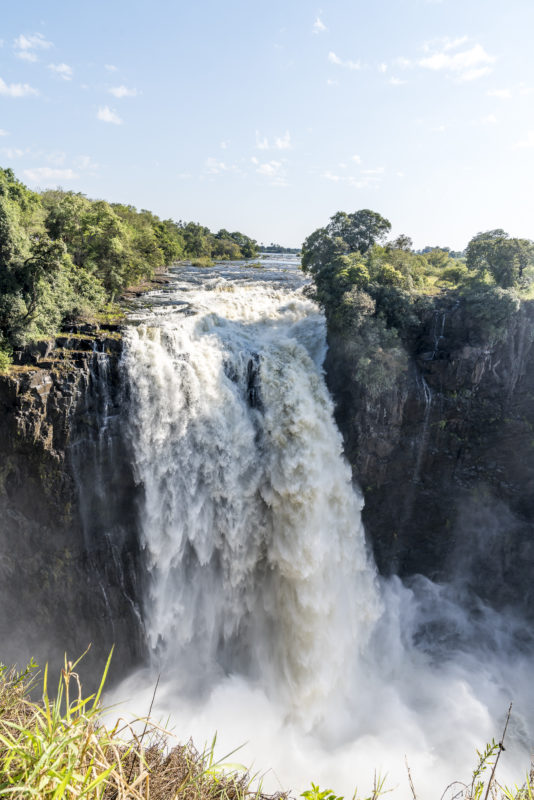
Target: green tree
x,y
503,258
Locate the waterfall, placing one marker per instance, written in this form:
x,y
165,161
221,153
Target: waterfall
x,y
251,527
263,610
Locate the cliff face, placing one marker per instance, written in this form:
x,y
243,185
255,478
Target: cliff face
x,y
68,572
446,457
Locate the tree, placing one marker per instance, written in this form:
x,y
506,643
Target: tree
x,y
505,259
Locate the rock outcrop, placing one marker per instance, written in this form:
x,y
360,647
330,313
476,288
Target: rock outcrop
x,y
445,459
68,573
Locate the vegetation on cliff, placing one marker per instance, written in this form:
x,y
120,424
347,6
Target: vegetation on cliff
x,y
64,257
374,292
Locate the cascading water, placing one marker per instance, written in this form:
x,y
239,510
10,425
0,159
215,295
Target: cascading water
x,y
251,527
264,613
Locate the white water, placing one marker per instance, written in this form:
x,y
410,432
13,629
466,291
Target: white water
x,y
265,616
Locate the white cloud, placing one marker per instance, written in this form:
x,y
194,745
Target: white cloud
x,y
269,168
122,91
396,81
528,142
283,142
330,82
502,94
280,142
48,174
224,145
465,65
3,132
382,67
110,67
261,144
35,41
62,71
319,26
214,167
377,171
334,59
490,119
356,159
26,55
106,114
16,89
274,172
403,63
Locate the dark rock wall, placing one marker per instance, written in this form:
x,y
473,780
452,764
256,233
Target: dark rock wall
x,y
446,458
69,556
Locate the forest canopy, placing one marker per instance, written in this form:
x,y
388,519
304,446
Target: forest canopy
x,y
63,257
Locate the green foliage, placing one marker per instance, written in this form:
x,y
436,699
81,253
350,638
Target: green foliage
x,y
506,260
64,257
489,310
316,793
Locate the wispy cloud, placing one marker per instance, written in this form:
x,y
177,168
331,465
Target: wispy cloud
x,y
48,174
26,45
383,67
348,64
212,166
16,89
319,26
358,182
283,142
110,67
393,81
85,164
62,71
3,132
280,142
356,159
12,152
107,114
122,91
464,64
273,171
489,119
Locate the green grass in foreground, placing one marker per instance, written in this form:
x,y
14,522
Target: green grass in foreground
x,y
62,748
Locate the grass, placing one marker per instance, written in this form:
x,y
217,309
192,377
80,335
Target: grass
x,y
61,748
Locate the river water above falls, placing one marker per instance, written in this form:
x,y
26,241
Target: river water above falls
x,y
264,613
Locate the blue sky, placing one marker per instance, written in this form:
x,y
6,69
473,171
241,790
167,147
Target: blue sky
x,y
268,117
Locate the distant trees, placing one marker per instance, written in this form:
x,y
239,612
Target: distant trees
x,y
64,256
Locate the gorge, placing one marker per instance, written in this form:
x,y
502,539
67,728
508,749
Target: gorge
x,y
178,488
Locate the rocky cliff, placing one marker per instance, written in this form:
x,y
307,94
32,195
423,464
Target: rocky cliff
x,y
68,572
445,458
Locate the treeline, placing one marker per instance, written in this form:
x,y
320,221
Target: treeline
x,y
374,291
63,257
